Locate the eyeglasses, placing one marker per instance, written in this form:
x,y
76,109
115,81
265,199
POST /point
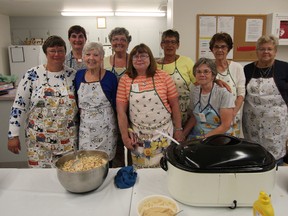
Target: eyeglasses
x,y
220,47
205,72
122,40
166,42
141,56
53,52
266,50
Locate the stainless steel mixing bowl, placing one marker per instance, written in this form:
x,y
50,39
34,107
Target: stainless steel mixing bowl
x,y
82,181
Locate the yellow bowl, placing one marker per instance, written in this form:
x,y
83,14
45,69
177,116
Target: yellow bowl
x,y
157,205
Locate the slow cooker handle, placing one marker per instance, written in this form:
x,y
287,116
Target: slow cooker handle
x,y
221,139
163,163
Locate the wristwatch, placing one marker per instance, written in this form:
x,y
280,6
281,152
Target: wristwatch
x,y
178,129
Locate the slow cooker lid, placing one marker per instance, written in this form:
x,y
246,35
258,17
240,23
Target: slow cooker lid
x,y
220,153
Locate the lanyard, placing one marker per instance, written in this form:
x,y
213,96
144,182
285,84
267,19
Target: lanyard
x,y
200,109
64,76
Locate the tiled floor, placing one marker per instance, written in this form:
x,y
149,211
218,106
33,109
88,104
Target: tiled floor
x,y
19,164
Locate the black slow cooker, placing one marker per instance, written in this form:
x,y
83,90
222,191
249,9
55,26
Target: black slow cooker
x,y
218,154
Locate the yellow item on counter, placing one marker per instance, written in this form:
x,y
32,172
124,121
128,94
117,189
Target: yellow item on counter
x,y
263,206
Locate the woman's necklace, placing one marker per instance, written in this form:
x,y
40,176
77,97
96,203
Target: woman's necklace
x,y
265,72
93,77
78,60
114,61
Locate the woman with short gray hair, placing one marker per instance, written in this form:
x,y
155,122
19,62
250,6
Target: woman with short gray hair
x,y
265,115
117,62
211,107
96,90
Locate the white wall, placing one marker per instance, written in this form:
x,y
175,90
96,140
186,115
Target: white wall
x,y
4,42
185,12
146,30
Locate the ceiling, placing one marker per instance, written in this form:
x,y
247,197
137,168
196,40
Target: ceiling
x,y
54,7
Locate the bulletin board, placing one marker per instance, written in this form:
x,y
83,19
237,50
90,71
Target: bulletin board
x,y
244,29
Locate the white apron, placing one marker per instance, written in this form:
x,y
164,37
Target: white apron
x,y
147,113
98,125
183,91
51,126
237,121
265,117
119,72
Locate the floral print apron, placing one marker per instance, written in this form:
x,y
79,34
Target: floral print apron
x,y
98,125
237,121
183,91
51,126
147,114
265,116
207,119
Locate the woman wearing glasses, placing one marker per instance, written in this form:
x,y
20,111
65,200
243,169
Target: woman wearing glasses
x,y
230,72
46,96
178,67
149,98
117,63
77,38
265,117
211,107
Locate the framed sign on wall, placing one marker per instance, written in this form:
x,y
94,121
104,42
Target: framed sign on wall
x,y
101,22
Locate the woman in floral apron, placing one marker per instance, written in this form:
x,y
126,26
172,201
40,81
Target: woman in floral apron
x,y
230,72
178,67
211,106
96,90
46,95
265,117
147,101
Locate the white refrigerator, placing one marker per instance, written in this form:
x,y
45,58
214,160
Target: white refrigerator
x,y
24,57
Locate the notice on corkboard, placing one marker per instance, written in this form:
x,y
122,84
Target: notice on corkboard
x,y
244,30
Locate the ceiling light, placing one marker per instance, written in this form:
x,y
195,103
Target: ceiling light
x,y
87,13
143,14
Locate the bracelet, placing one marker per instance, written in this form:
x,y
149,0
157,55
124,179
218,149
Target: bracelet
x,y
178,129
10,138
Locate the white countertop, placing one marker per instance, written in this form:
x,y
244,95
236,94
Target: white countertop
x,y
35,192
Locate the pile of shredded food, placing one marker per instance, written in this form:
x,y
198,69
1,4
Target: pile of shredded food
x,y
158,211
83,163
157,206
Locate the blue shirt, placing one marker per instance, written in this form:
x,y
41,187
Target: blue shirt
x,y
108,83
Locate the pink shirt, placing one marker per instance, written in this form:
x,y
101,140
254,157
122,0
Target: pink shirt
x,y
164,85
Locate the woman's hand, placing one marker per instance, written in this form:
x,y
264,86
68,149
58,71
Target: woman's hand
x,y
128,143
178,135
223,84
14,145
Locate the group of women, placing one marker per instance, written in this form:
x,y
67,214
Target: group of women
x,y
131,99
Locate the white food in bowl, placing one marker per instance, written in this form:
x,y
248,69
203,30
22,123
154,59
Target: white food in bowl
x,y
157,205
